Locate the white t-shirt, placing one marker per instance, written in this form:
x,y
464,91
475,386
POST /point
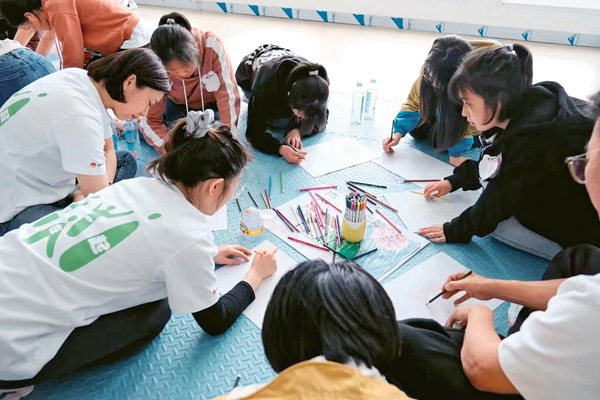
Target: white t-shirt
x,y
7,45
51,130
556,353
134,242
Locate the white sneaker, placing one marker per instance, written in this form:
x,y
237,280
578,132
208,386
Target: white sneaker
x,y
15,394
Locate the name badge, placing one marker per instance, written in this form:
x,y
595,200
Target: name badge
x,y
489,167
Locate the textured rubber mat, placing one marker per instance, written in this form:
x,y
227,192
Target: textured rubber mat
x,y
185,363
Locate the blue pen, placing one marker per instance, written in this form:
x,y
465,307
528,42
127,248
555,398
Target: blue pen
x,y
303,220
270,185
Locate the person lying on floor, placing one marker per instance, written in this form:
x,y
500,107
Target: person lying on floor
x,y
552,351
287,100
529,200
329,331
92,281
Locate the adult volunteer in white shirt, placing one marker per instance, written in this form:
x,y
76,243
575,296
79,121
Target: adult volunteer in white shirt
x,y
88,281
56,130
552,351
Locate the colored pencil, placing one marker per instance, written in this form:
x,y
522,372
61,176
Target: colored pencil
x,y
303,220
264,199
368,198
281,178
367,184
270,185
307,243
327,224
392,132
318,188
389,222
445,291
320,231
237,381
369,210
284,218
421,180
268,196
316,203
361,189
374,198
285,221
324,200
339,229
311,224
288,144
252,198
433,197
364,254
296,215
260,253
238,204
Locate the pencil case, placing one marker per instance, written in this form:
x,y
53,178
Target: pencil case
x,y
354,231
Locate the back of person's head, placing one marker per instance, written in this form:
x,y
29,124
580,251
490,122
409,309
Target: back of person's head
x,y
173,40
308,87
595,106
114,70
7,31
502,76
338,311
436,108
14,11
191,159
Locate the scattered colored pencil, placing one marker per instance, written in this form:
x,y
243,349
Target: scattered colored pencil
x,y
367,184
270,185
320,231
293,239
368,198
303,219
389,222
421,180
327,224
318,188
373,198
252,198
339,229
312,196
264,199
364,254
238,204
237,381
281,178
324,200
433,197
445,291
369,210
268,199
287,221
360,189
340,255
296,215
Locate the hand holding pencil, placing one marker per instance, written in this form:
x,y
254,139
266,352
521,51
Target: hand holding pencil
x,y
475,286
263,266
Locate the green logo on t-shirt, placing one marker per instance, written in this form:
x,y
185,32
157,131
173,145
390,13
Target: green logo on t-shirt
x,y
13,108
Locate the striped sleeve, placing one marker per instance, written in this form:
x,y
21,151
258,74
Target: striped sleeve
x,y
228,96
153,128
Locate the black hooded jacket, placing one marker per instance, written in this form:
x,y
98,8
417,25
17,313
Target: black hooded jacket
x,y
532,182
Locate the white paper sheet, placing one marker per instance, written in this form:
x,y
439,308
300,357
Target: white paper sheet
x,y
231,275
324,158
410,163
412,290
416,212
218,222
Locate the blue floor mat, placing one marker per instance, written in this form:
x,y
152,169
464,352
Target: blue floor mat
x,y
186,363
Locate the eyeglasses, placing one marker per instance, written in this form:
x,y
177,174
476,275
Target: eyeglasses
x,y
576,166
239,189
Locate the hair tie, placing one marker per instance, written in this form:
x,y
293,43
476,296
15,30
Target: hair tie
x,y
198,123
511,49
171,21
313,73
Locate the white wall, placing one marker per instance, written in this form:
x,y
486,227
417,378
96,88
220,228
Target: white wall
x,y
484,12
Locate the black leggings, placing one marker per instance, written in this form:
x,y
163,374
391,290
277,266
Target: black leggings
x,y
430,366
110,338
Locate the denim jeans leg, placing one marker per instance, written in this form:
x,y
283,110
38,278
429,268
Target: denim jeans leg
x,y
126,166
19,68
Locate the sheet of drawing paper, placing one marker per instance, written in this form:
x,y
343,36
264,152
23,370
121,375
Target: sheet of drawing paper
x,y
416,212
218,222
412,290
410,163
231,275
324,158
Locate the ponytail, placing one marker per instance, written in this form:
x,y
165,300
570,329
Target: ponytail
x,y
175,18
308,87
501,75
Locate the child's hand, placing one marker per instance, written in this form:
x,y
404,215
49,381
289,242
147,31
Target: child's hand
x,y
438,189
294,138
435,233
120,125
263,266
232,255
456,161
388,143
292,156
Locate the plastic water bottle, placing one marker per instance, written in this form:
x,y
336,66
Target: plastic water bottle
x,y
115,136
251,224
357,105
371,101
132,138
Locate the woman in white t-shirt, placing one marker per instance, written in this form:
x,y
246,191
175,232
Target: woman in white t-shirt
x,y
552,351
99,271
56,130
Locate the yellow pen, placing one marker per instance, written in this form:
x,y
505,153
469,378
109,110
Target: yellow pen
x,y
433,197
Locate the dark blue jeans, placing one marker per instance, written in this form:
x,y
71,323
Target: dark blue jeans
x,y
174,112
126,169
20,67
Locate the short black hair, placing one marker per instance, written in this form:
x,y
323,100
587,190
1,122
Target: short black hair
x,y
7,31
595,106
308,87
501,75
438,112
14,11
338,311
173,40
113,70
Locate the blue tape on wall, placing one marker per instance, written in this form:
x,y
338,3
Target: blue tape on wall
x,y
323,15
573,39
526,35
482,31
288,12
399,22
440,27
254,10
223,6
360,18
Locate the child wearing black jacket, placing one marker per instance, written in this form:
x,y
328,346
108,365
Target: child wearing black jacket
x,y
287,100
528,132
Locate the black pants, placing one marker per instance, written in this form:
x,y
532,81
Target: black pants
x,y
110,338
430,367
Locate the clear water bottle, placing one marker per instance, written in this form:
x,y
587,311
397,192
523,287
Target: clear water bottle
x,y
357,105
132,138
115,136
370,101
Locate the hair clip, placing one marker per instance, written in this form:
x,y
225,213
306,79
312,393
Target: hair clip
x,y
511,49
198,123
171,21
313,73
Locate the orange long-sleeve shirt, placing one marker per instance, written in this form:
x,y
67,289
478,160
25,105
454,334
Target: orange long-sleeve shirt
x,y
98,25
218,86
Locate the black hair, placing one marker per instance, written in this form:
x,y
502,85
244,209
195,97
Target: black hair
x,y
7,31
501,75
191,161
437,111
308,87
338,311
13,11
595,106
114,70
173,40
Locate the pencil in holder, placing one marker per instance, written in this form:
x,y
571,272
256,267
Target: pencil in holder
x,y
354,222
354,231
